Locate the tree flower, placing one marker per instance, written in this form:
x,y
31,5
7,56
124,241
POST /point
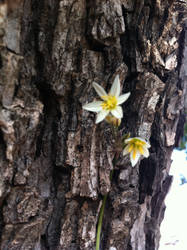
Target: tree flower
x,y
110,102
136,146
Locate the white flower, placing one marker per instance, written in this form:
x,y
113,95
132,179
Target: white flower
x,y
110,102
136,147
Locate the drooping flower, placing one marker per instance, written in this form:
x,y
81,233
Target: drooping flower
x,y
113,120
110,102
136,146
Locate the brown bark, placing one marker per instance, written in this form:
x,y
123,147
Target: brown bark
x,y
55,162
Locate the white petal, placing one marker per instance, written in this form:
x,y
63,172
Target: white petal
x,y
122,98
101,116
100,90
147,144
134,161
128,140
146,152
126,150
117,112
115,89
93,106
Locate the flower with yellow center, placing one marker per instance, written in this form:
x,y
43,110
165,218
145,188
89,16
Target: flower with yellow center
x,y
110,102
136,146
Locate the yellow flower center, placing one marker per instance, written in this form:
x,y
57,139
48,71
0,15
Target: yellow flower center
x,y
110,102
135,145
137,142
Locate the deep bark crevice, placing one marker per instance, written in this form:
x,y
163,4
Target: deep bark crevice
x,y
180,128
54,226
127,41
146,178
163,21
3,144
2,224
91,43
44,242
180,54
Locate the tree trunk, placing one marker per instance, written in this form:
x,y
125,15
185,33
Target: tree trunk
x,y
55,162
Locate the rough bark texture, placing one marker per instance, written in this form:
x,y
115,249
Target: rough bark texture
x,y
55,162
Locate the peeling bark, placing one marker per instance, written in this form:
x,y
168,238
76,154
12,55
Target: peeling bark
x,y
55,163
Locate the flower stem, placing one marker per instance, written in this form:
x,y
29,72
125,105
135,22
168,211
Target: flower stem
x,y
100,222
101,213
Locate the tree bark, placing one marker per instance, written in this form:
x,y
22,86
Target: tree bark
x,y
55,162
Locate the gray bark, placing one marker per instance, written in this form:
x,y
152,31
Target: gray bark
x,y
55,162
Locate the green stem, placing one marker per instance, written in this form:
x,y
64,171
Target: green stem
x,y
101,213
100,222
